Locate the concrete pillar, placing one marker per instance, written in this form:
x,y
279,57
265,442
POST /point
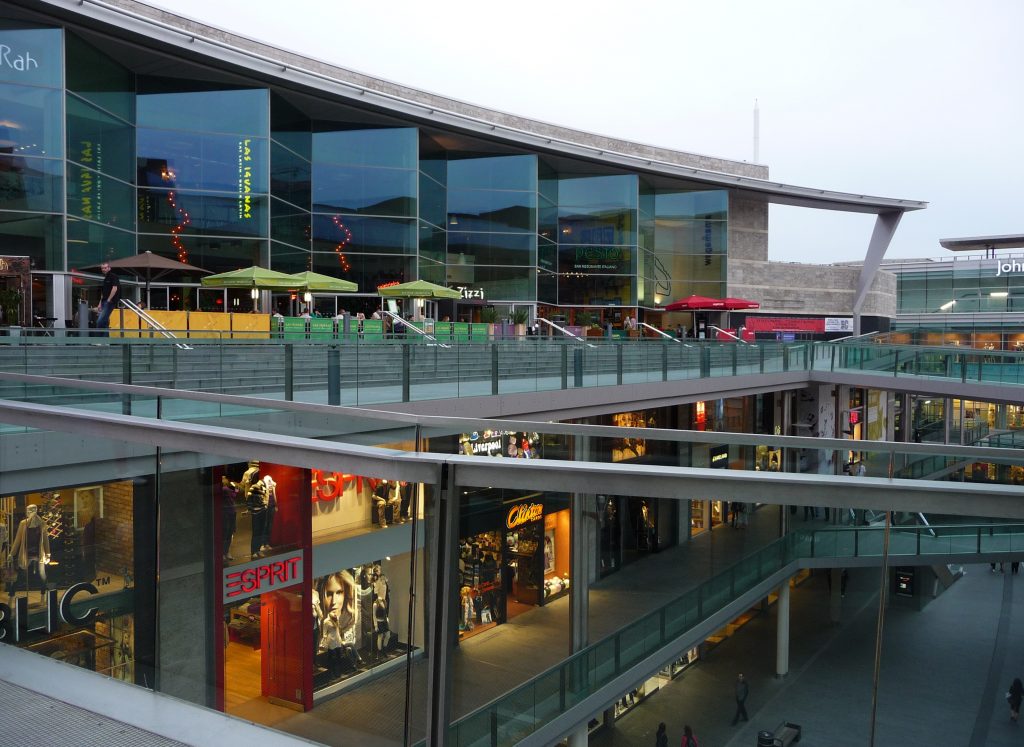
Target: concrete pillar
x,y
782,632
579,737
580,551
835,599
1000,423
963,422
947,418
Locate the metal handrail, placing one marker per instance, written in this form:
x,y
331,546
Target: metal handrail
x,y
408,325
564,331
153,323
664,334
727,333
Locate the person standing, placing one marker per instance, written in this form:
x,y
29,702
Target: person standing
x,y
661,738
110,297
742,691
688,739
1014,696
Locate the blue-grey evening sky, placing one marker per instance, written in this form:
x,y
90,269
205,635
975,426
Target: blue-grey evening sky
x,y
919,99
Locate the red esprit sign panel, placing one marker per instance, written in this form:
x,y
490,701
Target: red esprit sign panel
x,y
260,576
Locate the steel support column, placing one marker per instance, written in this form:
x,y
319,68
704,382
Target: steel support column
x,y
442,604
782,631
885,227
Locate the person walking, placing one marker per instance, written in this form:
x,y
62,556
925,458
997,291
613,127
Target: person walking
x,y
688,739
742,691
1013,697
110,297
661,738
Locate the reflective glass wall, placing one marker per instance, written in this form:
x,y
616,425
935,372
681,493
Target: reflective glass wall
x,y
993,285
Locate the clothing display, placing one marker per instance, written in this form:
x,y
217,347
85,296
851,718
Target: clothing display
x,y
387,501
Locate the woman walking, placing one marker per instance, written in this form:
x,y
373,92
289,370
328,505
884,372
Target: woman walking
x,y
1014,696
661,738
688,739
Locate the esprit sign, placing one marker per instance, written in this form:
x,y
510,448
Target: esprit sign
x,y
260,576
1005,268
14,623
524,513
22,62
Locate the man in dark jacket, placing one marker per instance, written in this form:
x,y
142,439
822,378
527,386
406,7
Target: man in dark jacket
x,y
742,691
110,296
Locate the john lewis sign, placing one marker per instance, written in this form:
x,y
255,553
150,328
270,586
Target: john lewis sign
x,y
1006,268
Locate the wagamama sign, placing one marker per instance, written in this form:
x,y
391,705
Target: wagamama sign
x,y
21,62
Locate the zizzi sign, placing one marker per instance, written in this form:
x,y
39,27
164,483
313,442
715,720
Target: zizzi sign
x,y
21,62
14,623
260,576
470,293
1005,268
524,513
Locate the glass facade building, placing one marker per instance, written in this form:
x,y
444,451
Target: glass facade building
x,y
105,154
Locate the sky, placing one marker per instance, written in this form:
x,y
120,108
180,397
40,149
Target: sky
x,y
921,100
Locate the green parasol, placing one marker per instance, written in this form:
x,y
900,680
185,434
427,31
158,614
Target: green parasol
x,y
418,289
314,282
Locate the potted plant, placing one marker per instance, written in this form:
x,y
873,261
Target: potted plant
x,y
10,305
519,318
488,316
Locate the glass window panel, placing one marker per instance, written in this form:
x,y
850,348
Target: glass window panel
x,y
710,205
31,184
547,183
238,111
432,243
290,259
368,271
290,177
291,127
97,78
89,243
497,283
491,248
31,121
189,160
685,268
289,224
602,192
31,56
485,210
582,226
547,255
194,213
493,172
691,237
372,191
547,287
99,141
547,221
435,167
432,272
364,235
210,253
35,236
391,146
596,289
603,260
433,201
98,197
683,288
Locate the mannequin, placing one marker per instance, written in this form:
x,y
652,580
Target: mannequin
x,y
364,601
228,496
381,609
384,496
31,549
268,524
256,499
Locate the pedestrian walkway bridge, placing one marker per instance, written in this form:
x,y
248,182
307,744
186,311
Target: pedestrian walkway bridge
x,y
372,373
548,706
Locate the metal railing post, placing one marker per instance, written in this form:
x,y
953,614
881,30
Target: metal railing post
x,y
735,356
762,357
126,377
494,368
333,375
406,371
856,543
565,367
896,364
577,367
618,364
785,358
289,373
664,362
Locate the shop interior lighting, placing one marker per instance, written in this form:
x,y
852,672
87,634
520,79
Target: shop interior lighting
x,y
947,306
999,294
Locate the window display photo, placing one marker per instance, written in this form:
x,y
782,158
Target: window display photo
x,y
359,621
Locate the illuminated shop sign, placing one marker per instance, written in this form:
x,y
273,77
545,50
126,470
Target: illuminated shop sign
x,y
470,293
14,623
600,258
1005,268
90,187
524,513
245,179
22,62
260,576
720,457
329,486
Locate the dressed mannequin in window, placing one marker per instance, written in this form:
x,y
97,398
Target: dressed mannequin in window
x,y
384,496
268,523
255,491
31,550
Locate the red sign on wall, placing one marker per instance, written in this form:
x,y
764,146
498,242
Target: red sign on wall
x,y
783,324
260,576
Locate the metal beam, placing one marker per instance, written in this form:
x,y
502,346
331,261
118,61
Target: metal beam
x,y
885,227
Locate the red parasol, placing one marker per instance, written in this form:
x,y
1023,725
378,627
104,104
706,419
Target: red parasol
x,y
693,303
